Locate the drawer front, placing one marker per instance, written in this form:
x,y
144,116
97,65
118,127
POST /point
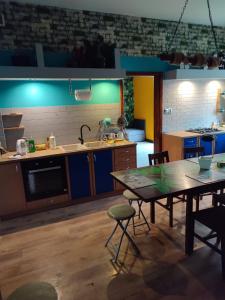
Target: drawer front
x,y
125,164
125,158
122,154
190,142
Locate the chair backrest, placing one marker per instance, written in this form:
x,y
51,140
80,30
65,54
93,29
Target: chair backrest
x,y
193,152
158,158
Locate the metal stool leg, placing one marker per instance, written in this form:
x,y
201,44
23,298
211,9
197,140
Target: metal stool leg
x,y
111,235
129,237
121,239
141,212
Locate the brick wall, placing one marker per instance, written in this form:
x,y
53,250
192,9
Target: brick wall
x,y
194,103
61,28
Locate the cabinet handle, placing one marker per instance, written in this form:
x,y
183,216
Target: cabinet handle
x,y
95,157
16,169
88,159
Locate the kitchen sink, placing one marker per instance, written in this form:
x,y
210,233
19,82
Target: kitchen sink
x,y
73,147
95,144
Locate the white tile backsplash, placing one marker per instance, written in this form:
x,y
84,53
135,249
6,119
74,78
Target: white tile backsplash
x,y
193,103
64,121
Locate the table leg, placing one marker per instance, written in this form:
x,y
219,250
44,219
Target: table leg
x,y
152,211
189,229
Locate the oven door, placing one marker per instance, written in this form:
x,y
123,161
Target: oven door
x,y
44,178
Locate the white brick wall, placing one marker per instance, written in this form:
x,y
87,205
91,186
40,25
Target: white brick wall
x,y
64,121
193,103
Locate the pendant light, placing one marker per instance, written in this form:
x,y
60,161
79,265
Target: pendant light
x,y
81,94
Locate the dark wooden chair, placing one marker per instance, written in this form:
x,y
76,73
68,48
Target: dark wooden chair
x,y
158,158
155,159
214,219
193,152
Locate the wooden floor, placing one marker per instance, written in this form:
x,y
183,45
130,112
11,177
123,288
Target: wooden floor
x,y
65,247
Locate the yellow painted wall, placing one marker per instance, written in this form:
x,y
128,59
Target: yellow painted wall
x,y
144,103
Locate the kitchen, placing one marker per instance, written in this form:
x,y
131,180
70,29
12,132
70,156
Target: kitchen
x,y
52,238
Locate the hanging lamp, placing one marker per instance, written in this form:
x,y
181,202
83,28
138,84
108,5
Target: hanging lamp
x,y
214,60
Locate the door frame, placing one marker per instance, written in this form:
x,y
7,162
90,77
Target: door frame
x,y
158,105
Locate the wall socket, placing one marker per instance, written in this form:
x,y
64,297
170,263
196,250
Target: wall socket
x,y
167,111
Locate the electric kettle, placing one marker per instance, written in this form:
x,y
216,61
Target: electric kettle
x,y
21,147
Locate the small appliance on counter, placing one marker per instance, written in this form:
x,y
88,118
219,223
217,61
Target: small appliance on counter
x,y
21,147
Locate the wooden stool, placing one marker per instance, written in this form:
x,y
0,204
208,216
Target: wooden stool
x,y
131,197
121,213
34,291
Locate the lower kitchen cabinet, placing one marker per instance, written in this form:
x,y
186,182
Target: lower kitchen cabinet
x,y
79,169
220,143
103,166
12,197
124,159
207,145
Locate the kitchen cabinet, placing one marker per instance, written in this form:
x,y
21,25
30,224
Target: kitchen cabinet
x,y
124,159
103,166
220,143
90,173
12,197
190,143
207,145
79,169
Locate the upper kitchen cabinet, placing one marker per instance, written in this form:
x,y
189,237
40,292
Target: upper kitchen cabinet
x,y
12,197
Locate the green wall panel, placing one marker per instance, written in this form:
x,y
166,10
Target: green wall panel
x,y
30,93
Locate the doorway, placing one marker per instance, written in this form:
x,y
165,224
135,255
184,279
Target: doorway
x,y
143,109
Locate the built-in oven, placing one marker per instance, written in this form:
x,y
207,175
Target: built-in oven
x,y
44,178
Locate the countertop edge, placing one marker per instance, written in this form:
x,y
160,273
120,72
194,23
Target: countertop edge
x,y
4,159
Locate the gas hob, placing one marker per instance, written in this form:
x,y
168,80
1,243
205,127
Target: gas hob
x,y
203,130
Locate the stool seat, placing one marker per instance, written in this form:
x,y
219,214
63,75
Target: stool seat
x,y
34,291
130,196
121,212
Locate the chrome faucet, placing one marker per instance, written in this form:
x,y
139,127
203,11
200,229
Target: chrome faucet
x,y
81,139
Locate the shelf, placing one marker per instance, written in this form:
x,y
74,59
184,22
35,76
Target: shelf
x,y
194,74
41,72
13,128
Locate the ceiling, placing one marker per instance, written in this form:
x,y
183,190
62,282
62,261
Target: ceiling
x,y
196,11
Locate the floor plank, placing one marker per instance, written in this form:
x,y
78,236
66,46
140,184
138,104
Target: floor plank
x,y
65,247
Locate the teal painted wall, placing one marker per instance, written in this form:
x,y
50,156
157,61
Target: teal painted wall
x,y
144,64
55,93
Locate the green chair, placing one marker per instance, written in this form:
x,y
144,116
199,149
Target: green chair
x,y
131,197
34,291
122,213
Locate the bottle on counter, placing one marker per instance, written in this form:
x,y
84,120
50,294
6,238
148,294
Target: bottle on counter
x,y
52,142
31,145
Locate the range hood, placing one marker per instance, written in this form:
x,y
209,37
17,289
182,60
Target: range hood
x,y
184,74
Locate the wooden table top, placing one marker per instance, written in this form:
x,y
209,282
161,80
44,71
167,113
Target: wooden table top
x,y
171,179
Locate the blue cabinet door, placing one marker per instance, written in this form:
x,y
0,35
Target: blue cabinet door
x,y
79,175
220,143
190,143
207,146
102,167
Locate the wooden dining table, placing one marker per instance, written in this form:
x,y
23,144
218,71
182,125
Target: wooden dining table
x,y
172,179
